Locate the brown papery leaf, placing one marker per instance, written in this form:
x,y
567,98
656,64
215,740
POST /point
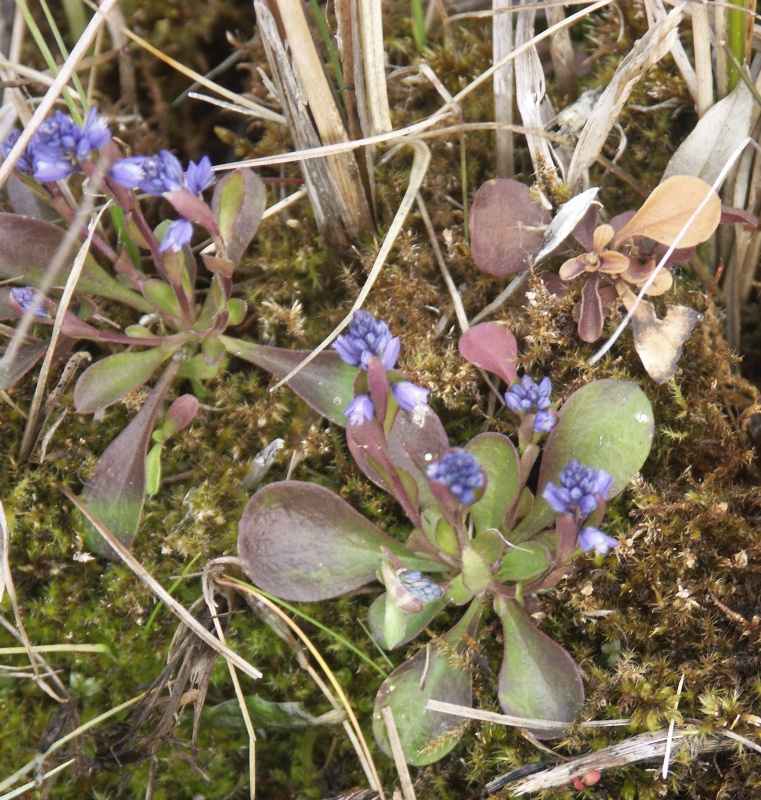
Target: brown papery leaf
x,y
659,342
665,213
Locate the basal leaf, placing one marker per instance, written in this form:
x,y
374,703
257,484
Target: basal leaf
x,y
499,459
326,383
299,541
112,377
538,678
492,347
116,490
426,736
507,226
667,210
29,247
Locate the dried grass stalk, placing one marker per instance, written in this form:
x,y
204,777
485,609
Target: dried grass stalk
x,y
504,86
334,183
561,51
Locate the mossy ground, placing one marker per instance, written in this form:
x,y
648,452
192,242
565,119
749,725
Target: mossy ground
x,y
678,598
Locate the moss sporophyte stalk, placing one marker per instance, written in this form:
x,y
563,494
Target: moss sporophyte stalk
x,y
479,534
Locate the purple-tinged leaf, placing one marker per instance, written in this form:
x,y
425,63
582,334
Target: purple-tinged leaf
x,y
29,247
590,311
369,447
181,413
238,204
538,679
497,456
299,541
112,377
326,383
737,216
116,491
193,208
507,226
492,347
24,359
427,736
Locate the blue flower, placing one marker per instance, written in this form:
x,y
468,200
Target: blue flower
x,y
24,163
409,395
367,337
420,585
128,172
157,174
460,472
360,410
594,539
24,298
529,397
199,176
544,421
177,235
578,490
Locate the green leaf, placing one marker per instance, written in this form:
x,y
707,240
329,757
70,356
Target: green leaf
x,y
300,541
264,714
112,377
606,424
238,204
524,562
153,470
326,383
236,308
30,246
163,297
538,678
499,459
427,736
116,490
198,368
476,573
409,625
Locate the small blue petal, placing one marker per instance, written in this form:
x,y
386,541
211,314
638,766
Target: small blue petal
x,y
360,410
594,539
409,395
177,235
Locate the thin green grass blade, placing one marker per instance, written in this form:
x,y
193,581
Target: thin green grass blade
x,y
328,40
418,25
63,50
170,590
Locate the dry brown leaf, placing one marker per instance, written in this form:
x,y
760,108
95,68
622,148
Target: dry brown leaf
x,y
665,213
659,342
647,51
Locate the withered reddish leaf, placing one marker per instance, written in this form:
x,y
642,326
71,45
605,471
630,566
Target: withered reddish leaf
x,y
492,347
733,216
665,213
659,342
590,313
507,225
182,411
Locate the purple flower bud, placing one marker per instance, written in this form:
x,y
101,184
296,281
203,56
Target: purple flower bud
x,y
420,585
578,490
177,235
95,131
409,395
460,472
24,163
360,410
24,298
367,337
594,539
128,172
199,176
544,421
161,173
526,396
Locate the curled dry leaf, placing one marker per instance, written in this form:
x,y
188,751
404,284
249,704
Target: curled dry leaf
x,y
664,215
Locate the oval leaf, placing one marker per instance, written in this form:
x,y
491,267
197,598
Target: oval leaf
x,y
112,377
499,459
507,226
428,675
299,541
410,625
665,213
492,347
538,678
238,204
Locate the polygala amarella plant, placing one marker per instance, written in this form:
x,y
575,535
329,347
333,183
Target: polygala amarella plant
x,y
178,331
481,536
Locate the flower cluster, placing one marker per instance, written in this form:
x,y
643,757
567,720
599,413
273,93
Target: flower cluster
x,y
529,397
22,298
579,494
421,586
59,146
367,338
460,472
158,174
